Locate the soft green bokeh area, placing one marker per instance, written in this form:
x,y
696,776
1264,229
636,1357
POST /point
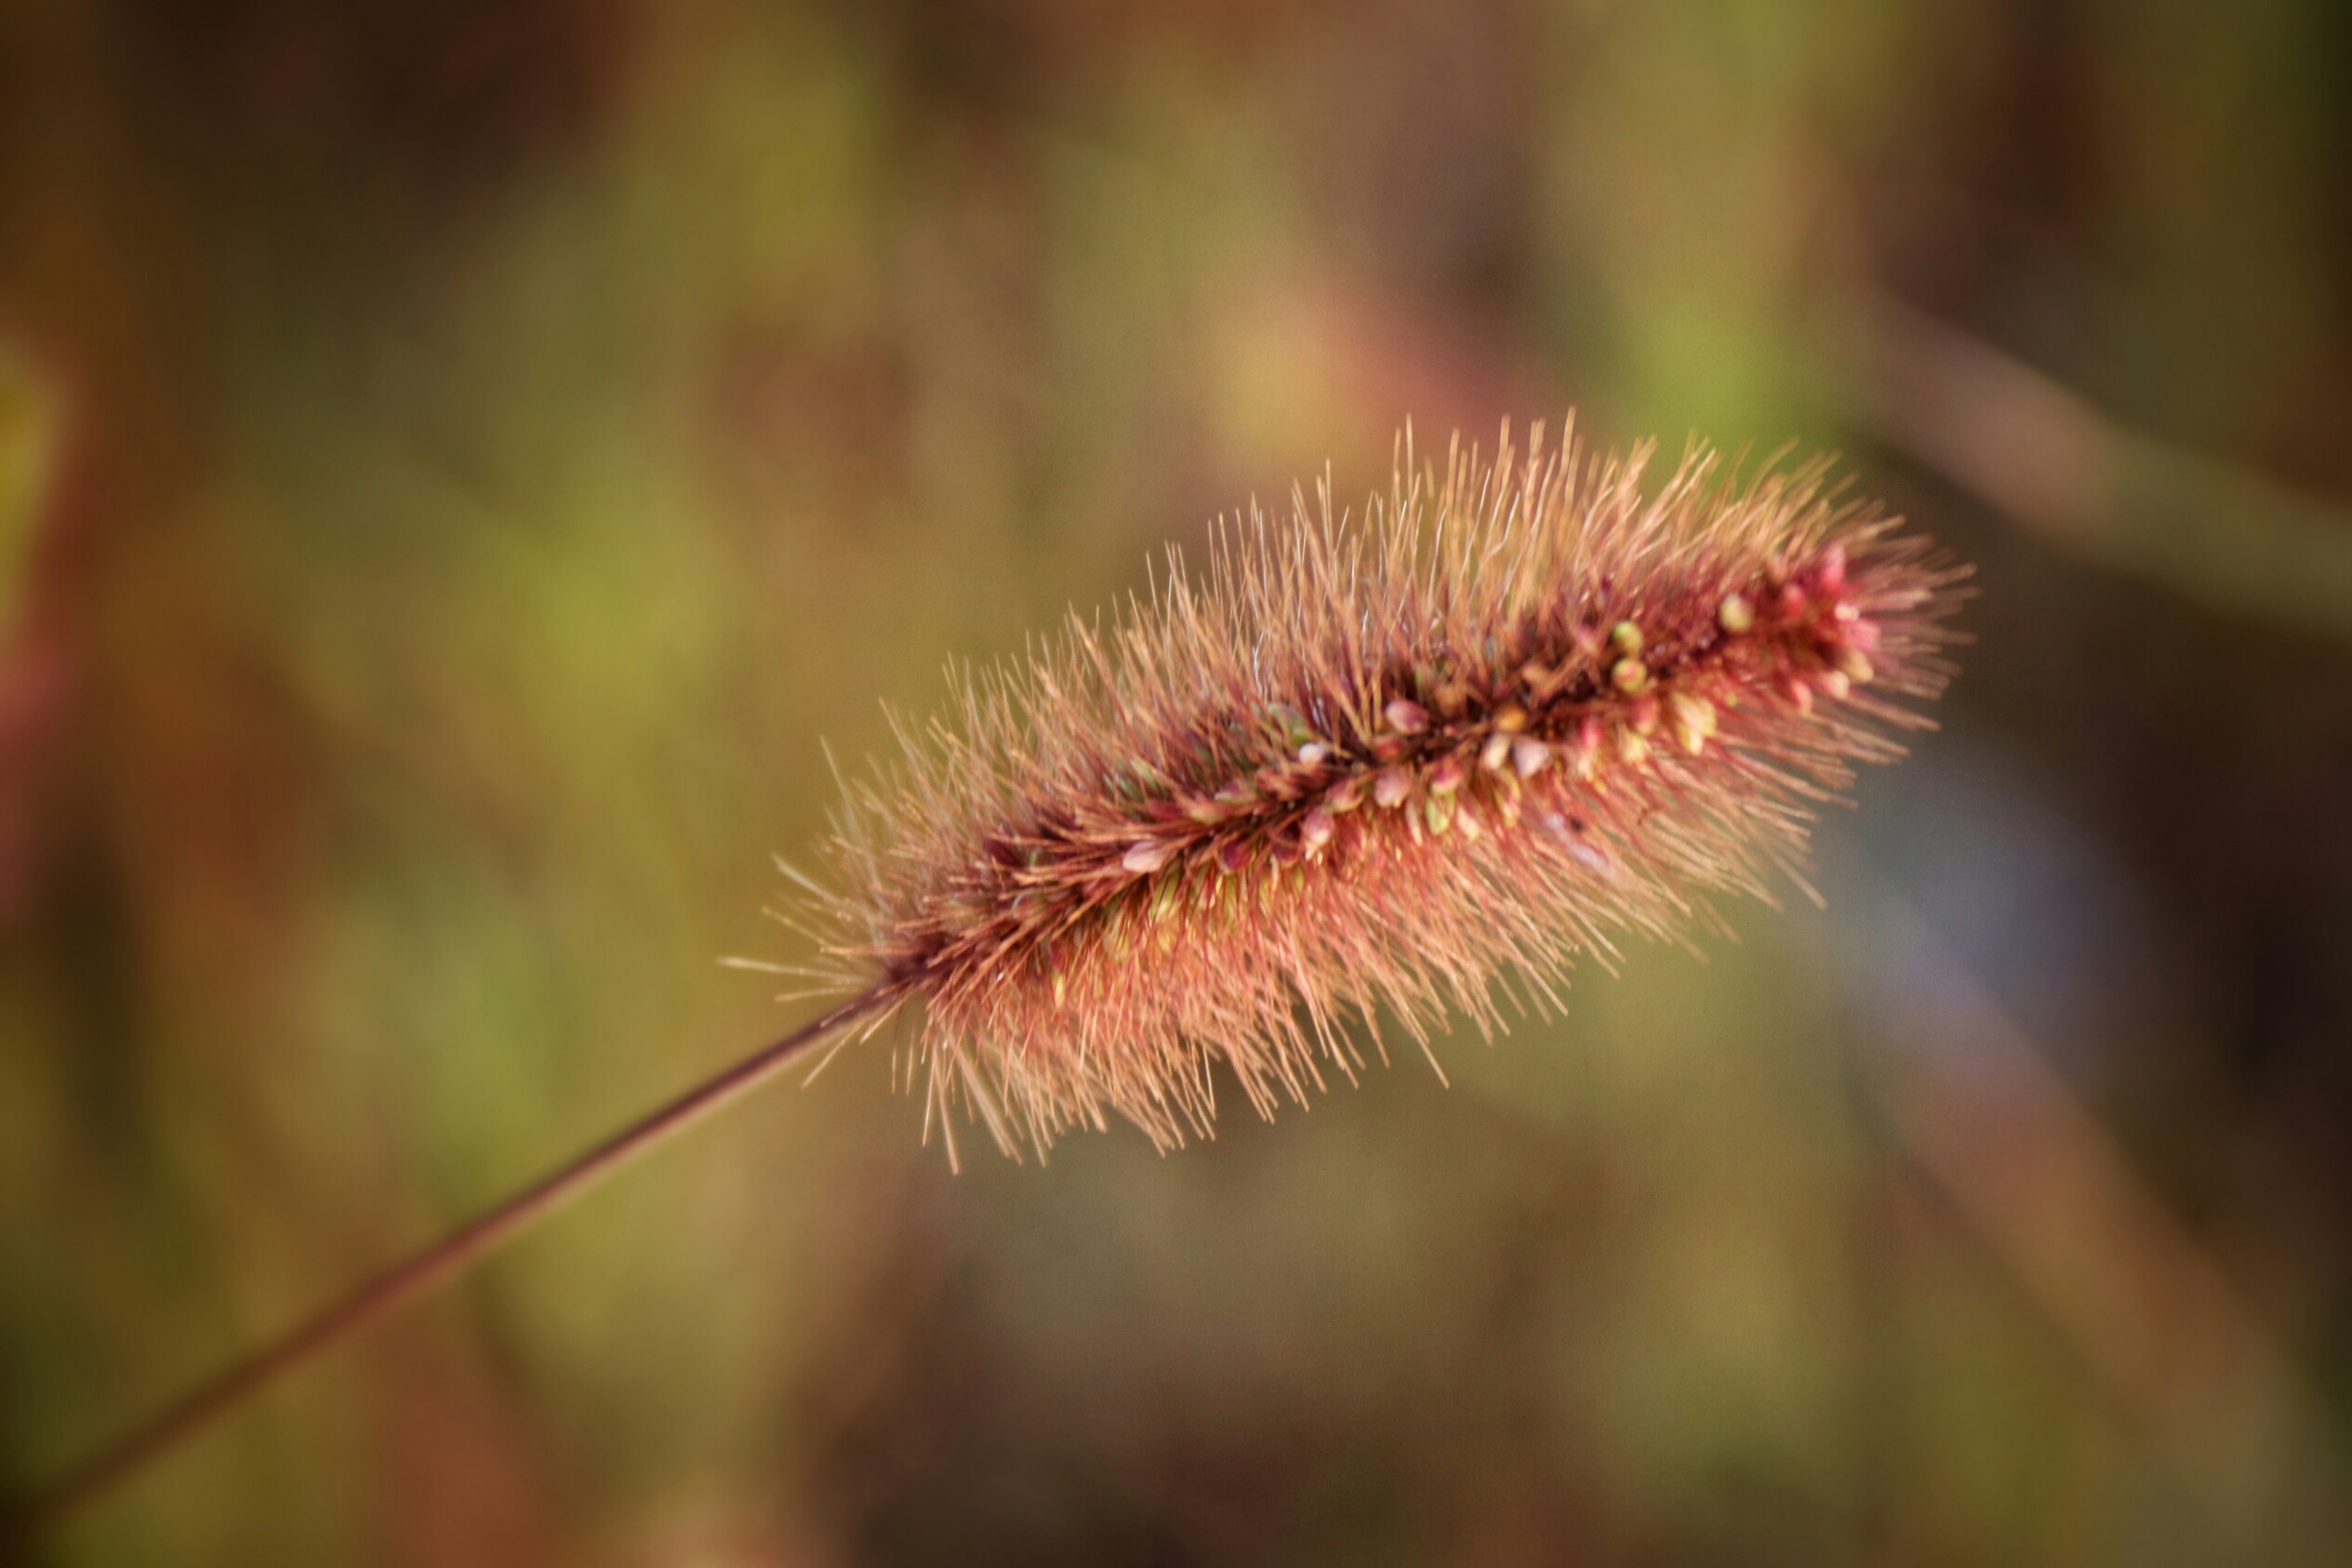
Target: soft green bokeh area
x,y
462,467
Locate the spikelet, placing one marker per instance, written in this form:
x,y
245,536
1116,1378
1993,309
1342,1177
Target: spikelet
x,y
1361,773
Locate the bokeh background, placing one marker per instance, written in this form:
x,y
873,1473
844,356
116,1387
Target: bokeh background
x,y
462,464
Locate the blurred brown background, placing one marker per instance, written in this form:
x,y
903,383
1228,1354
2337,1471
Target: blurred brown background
x,y
459,461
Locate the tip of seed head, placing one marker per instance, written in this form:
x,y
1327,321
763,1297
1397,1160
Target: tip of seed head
x,y
1625,637
1406,717
1629,674
1736,614
1584,752
1439,810
1694,721
1148,857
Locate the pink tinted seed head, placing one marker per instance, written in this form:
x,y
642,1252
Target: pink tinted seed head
x,y
1362,772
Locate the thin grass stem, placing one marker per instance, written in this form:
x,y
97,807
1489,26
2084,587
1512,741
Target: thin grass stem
x,y
204,1406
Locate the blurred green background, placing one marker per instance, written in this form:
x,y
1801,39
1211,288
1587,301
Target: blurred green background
x,y
462,460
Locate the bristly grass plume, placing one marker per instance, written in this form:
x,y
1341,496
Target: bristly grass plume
x,y
1373,768
1356,771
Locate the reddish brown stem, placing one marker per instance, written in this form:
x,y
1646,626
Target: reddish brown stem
x,y
409,1279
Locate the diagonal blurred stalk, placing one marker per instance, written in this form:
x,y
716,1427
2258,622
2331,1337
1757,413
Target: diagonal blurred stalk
x,y
2124,500
2154,1318
415,1276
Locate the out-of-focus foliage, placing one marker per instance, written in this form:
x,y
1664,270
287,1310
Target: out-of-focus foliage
x,y
460,463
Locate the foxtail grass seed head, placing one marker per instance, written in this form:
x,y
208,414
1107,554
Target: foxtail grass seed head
x,y
1371,773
